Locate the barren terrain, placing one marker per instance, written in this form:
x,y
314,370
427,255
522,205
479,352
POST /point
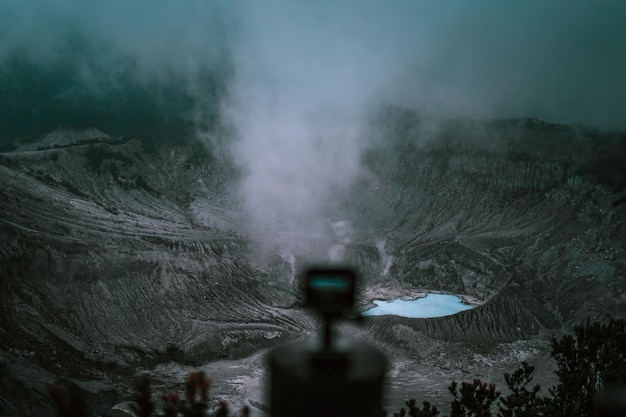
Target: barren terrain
x,y
118,259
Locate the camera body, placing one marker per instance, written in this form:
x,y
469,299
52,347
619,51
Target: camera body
x,y
305,382
330,291
327,376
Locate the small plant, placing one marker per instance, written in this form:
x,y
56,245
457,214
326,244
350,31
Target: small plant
x,y
473,399
415,411
197,395
170,405
521,402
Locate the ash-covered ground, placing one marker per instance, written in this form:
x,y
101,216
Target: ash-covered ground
x,y
118,258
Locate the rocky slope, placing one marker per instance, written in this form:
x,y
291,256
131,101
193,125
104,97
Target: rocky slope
x,y
119,257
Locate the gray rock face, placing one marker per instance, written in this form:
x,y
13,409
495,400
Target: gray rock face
x,y
115,259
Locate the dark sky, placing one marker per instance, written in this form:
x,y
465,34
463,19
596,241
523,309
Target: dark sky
x,y
562,61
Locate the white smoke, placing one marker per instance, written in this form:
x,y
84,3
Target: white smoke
x,y
298,103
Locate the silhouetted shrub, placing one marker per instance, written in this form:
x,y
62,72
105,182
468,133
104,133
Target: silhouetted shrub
x,y
588,361
594,356
521,402
414,411
473,399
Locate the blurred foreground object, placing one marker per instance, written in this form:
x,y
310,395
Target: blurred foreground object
x,y
327,377
610,401
69,400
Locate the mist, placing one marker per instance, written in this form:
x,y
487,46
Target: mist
x,y
127,69
296,84
308,79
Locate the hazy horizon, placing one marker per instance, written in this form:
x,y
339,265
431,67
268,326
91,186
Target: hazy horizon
x,y
296,84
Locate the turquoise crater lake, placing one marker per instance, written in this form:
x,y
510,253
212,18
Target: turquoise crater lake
x,y
433,305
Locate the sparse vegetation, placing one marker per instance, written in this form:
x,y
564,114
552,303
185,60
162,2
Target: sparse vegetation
x,y
592,358
71,401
